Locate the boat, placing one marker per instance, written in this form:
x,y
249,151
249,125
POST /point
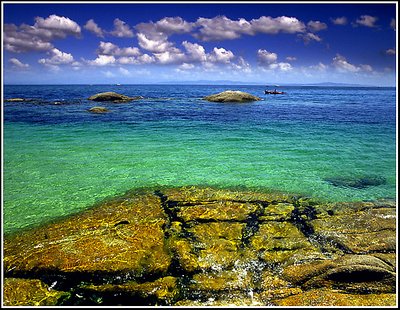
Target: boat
x,y
273,92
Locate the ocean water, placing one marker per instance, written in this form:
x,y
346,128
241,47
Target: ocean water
x,y
60,159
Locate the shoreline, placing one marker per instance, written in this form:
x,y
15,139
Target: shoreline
x,y
190,245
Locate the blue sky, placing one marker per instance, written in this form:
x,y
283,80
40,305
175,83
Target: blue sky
x,y
134,43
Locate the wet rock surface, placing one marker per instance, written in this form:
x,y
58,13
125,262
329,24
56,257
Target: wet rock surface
x,y
113,97
195,246
232,96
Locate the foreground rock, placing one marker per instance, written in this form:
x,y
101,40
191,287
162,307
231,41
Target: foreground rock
x,y
232,96
114,97
98,110
196,246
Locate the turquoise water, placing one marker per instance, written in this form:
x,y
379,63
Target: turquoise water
x,y
59,159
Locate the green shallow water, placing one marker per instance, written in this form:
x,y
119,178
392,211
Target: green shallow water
x,y
60,159
52,171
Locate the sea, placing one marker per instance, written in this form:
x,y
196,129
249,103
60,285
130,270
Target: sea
x,y
59,159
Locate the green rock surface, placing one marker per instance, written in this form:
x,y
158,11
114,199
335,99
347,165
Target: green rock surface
x,y
200,246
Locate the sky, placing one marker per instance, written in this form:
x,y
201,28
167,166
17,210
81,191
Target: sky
x,y
141,43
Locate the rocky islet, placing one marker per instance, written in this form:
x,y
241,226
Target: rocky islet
x,y
203,246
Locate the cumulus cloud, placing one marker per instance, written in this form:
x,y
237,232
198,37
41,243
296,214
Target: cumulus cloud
x,y
108,48
308,37
103,60
171,25
291,58
38,37
121,29
390,51
342,65
57,26
221,28
185,66
267,24
173,55
220,55
57,58
93,27
315,26
265,58
18,64
269,60
195,51
156,45
367,21
339,21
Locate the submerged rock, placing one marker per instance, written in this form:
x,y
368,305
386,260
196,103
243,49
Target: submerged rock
x,y
112,96
232,96
198,246
16,100
356,182
98,110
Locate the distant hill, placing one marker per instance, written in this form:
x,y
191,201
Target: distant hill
x,y
229,82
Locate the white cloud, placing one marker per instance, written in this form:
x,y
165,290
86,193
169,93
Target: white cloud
x,y
393,24
121,29
185,66
308,37
172,55
154,45
391,51
366,68
124,71
269,60
170,25
315,26
320,67
103,60
93,27
291,58
367,21
108,48
342,65
57,58
264,57
339,20
145,59
18,64
242,65
267,24
38,37
195,51
59,26
220,55
282,66
221,28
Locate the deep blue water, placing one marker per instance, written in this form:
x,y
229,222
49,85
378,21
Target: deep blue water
x,y
59,158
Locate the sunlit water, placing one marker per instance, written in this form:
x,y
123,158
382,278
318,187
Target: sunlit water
x,y
59,158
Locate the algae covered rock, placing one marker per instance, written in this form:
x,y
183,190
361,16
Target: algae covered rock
x,y
112,96
30,292
98,110
199,246
232,96
356,182
118,237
